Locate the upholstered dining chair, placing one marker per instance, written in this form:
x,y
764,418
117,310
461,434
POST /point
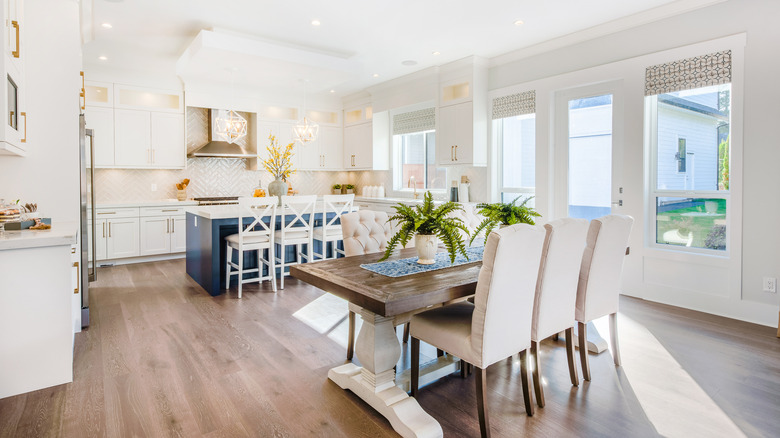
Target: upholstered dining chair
x,y
363,232
598,288
297,228
556,292
257,236
498,324
330,230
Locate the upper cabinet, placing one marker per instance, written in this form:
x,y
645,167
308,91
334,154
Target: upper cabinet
x,y
13,136
461,130
135,127
366,139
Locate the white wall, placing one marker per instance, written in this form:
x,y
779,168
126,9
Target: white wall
x,y
758,254
49,174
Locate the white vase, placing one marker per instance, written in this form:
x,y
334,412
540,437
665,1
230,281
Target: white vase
x,y
426,245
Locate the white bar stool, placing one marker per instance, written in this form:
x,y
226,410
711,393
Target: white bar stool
x,y
298,230
330,231
257,236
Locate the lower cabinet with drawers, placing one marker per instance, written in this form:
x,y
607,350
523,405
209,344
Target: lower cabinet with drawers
x,y
139,231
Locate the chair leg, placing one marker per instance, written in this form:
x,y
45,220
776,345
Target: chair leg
x,y
575,379
555,337
537,374
464,369
281,265
228,257
406,333
582,333
351,339
439,352
415,359
272,266
240,271
614,338
482,409
527,396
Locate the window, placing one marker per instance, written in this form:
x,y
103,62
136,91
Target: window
x,y
414,152
691,167
417,155
514,128
517,143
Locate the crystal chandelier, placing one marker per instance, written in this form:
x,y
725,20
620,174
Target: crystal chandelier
x,y
305,130
230,125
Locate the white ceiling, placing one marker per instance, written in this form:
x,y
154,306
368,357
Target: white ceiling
x,y
273,43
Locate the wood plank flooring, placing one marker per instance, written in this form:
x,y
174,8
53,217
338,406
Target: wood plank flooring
x,y
162,358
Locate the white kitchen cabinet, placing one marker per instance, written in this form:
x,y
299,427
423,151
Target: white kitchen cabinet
x,y
167,139
148,139
116,233
132,138
359,147
122,238
455,134
13,135
324,153
163,230
101,122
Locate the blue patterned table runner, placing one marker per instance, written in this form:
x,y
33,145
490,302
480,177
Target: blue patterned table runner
x,y
402,267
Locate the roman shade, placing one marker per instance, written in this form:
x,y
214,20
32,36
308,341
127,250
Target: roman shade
x,y
414,121
686,74
514,105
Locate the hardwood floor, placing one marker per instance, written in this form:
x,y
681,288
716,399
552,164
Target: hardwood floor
x,y
163,358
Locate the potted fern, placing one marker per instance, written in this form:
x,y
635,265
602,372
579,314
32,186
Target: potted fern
x,y
502,214
428,224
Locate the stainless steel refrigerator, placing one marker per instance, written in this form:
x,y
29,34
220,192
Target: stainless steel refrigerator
x,y
88,272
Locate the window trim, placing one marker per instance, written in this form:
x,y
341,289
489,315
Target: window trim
x,y
653,192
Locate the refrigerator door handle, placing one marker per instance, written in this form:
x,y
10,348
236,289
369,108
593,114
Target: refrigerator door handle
x,y
93,273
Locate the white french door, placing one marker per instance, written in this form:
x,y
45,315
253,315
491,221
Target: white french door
x,y
588,151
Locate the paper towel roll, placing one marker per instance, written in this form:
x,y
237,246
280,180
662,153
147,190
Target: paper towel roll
x,y
463,193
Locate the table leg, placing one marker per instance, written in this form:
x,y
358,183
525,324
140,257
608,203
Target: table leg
x,y
378,349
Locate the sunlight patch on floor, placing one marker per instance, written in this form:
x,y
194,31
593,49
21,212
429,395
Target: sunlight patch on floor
x,y
328,314
672,400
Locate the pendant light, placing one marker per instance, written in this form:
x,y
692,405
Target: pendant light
x,y
230,125
305,130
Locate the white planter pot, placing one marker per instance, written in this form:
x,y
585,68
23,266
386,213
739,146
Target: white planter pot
x,y
426,245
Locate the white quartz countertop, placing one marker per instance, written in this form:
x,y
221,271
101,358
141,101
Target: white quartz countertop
x,y
157,203
401,200
61,233
232,211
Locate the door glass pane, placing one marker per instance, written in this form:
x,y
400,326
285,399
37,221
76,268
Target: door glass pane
x,y
691,222
590,157
693,139
518,142
12,103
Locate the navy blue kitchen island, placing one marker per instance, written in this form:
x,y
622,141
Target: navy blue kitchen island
x,y
207,227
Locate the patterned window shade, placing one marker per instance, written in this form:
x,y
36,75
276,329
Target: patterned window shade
x,y
414,121
514,105
686,74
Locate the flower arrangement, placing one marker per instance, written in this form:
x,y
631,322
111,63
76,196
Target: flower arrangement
x,y
279,162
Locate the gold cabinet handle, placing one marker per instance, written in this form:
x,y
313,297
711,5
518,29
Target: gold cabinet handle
x,y
75,264
173,225
109,229
15,25
456,152
104,229
24,114
83,94
452,153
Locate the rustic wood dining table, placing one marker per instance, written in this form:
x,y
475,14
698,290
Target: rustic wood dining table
x,y
383,303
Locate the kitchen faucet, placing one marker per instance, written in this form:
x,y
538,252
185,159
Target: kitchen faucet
x,y
413,184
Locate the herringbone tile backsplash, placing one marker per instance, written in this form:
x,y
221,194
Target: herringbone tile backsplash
x,y
230,177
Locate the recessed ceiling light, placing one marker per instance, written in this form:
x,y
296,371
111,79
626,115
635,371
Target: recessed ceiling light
x,y
518,22
436,53
332,91
103,58
409,62
107,25
315,22
376,75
